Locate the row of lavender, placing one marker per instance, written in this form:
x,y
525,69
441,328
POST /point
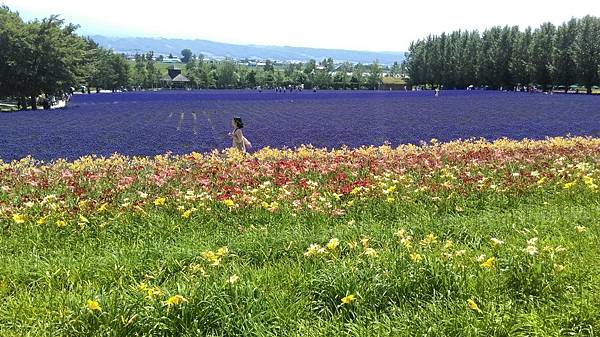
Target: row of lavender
x,y
148,123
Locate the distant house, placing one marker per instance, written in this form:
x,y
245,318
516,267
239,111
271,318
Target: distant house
x,y
174,79
171,60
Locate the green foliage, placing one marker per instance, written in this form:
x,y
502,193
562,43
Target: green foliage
x,y
587,51
47,57
507,57
282,292
187,55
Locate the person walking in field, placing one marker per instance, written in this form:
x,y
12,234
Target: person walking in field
x,y
239,141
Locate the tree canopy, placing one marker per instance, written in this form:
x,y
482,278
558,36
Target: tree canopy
x,y
506,57
47,57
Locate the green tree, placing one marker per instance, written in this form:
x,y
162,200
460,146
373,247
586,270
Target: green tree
x,y
269,66
395,69
140,72
51,58
374,80
310,66
14,48
152,72
587,51
187,55
541,54
563,59
227,76
520,63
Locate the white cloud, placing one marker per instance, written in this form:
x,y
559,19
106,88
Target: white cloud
x,y
365,25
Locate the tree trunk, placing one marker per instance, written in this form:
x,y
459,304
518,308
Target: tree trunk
x,y
22,103
33,102
588,90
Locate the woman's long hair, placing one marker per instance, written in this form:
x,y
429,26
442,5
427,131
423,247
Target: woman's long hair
x,y
238,122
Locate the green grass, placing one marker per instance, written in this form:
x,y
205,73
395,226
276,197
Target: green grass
x,y
47,275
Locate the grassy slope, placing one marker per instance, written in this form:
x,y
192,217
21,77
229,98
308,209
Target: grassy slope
x,y
47,275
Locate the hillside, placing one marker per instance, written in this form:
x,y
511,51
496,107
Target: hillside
x,y
218,50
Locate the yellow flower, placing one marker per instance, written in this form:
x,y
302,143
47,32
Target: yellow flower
x,y
473,305
160,201
41,221
356,190
580,229
390,200
558,268
429,239
352,245
233,279
103,208
489,263
531,250
460,252
61,223
210,256
94,306
222,251
175,300
312,250
406,242
333,244
370,252
18,218
153,292
349,299
365,243
187,214
83,219
569,185
496,242
416,257
228,202
401,233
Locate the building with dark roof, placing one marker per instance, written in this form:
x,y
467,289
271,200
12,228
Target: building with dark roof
x,y
174,79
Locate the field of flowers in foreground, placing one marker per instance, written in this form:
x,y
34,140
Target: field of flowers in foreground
x,y
455,239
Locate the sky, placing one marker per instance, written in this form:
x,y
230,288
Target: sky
x,y
374,25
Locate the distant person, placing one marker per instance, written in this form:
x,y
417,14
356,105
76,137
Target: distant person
x,y
437,92
239,141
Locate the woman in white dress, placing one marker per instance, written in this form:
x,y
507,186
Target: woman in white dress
x,y
239,141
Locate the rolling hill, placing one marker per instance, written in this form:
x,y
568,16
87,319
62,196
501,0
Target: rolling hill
x,y
211,49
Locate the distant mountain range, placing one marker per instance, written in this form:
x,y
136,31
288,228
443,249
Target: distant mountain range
x,y
211,49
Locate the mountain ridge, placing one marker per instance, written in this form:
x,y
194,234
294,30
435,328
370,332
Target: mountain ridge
x,y
213,49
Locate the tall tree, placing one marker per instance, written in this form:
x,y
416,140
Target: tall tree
x,y
563,60
520,62
587,51
541,52
53,59
374,80
187,55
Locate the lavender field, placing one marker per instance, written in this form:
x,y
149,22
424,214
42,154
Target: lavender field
x,y
148,123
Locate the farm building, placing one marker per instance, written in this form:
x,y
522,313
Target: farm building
x,y
174,79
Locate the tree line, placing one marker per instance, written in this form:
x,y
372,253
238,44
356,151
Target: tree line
x,y
506,57
229,74
47,57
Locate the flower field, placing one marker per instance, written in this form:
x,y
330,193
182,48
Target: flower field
x,y
151,123
462,238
